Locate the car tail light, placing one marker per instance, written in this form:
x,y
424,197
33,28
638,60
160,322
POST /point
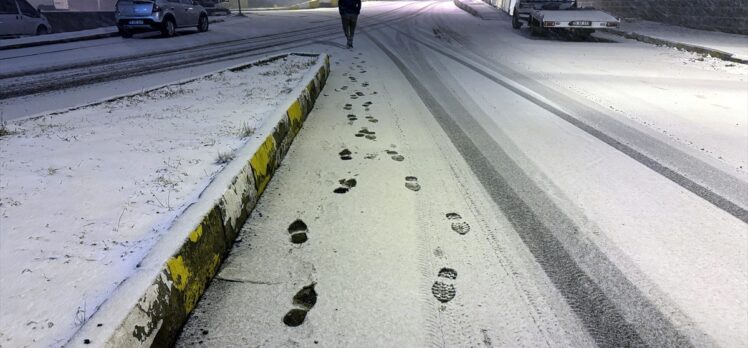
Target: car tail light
x,y
550,24
156,8
611,24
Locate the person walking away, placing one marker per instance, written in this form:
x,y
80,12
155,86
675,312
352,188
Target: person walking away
x,y
349,10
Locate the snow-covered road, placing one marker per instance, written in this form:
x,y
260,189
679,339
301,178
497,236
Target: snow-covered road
x,y
509,190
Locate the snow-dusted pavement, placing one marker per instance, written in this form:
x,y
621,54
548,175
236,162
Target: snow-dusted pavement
x,y
509,190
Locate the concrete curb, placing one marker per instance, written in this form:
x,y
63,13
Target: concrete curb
x,y
150,309
679,45
465,7
72,39
483,11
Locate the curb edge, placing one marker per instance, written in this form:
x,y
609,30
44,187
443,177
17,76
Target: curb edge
x,y
679,45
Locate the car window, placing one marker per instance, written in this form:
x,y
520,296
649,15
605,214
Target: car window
x,y
27,9
8,7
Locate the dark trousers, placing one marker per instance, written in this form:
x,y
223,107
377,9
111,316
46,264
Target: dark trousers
x,y
349,25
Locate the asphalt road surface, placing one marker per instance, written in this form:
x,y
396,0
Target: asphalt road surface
x,y
460,183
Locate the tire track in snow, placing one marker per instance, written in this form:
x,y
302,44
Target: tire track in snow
x,y
601,316
725,204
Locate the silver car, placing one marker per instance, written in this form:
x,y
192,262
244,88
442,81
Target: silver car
x,y
18,17
163,15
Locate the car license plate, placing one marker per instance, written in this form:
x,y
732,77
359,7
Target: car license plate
x,y
136,22
582,23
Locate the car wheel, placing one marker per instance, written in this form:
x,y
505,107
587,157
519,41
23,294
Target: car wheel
x,y
202,23
537,28
42,30
516,24
168,28
125,33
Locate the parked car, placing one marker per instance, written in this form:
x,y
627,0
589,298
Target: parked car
x,y
214,7
18,17
560,16
162,15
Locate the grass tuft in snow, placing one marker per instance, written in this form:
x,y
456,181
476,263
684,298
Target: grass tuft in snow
x,y
225,157
246,131
4,129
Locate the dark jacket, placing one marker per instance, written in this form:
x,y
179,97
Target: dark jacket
x,y
349,7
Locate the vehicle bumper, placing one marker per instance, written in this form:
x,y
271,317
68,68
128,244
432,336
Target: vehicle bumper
x,y
570,25
140,23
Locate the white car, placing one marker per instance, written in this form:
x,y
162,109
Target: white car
x,y
18,17
163,15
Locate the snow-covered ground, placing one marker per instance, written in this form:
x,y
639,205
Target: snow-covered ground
x,y
665,239
86,192
4,43
735,44
693,101
670,263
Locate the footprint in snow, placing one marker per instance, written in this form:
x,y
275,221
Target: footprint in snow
x,y
345,155
298,231
443,289
411,182
345,185
366,133
395,156
303,302
458,225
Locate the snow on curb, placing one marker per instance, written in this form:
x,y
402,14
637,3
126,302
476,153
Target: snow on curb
x,y
467,8
479,9
679,45
150,308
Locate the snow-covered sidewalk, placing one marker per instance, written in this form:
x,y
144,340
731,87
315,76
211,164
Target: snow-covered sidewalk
x,y
85,193
30,41
733,45
73,36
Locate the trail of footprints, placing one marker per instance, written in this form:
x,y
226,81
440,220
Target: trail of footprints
x,y
443,289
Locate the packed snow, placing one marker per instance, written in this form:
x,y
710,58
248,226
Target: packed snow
x,y
87,192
